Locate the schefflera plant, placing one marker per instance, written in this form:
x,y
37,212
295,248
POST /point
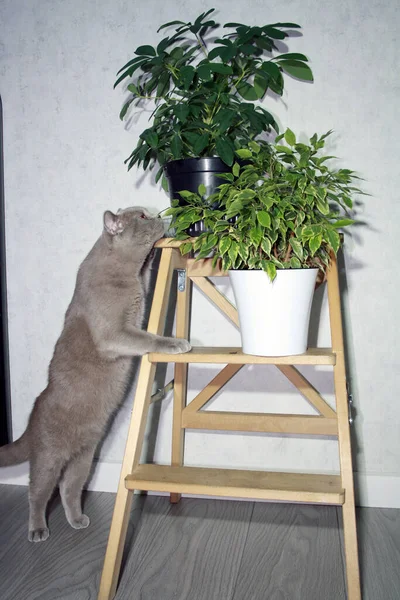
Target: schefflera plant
x,y
204,83
281,208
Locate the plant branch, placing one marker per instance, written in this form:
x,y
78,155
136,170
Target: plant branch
x,y
202,45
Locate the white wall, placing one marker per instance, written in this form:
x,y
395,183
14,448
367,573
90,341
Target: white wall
x,y
64,152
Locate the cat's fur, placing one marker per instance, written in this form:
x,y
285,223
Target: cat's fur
x,y
89,371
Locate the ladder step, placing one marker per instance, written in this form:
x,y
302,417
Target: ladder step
x,y
202,354
287,487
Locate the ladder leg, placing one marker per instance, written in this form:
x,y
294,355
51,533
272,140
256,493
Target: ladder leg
x,y
180,378
346,467
120,520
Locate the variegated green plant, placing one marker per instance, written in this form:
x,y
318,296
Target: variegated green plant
x,y
281,207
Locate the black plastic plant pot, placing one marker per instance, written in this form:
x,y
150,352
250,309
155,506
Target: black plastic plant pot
x,y
188,174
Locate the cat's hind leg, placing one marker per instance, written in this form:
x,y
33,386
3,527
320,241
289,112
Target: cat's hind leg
x,y
73,479
44,473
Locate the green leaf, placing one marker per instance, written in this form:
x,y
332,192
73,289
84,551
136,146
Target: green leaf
x,y
343,223
145,51
292,56
224,245
323,206
226,262
186,75
266,245
297,248
269,268
164,184
202,190
138,59
247,91
186,248
272,69
150,137
233,250
204,72
264,218
176,146
315,243
225,150
348,201
246,194
295,263
170,23
260,86
163,84
290,137
201,143
333,239
132,88
124,109
215,53
130,71
243,153
224,118
290,25
284,149
187,195
255,236
190,137
267,201
255,147
163,45
181,111
234,208
243,251
220,68
236,169
275,34
297,69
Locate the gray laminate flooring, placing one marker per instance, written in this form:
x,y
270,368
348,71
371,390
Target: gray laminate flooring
x,y
198,550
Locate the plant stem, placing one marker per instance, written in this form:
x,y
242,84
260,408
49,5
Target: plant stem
x,y
202,45
289,250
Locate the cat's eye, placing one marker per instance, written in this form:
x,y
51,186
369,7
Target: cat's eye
x,y
143,216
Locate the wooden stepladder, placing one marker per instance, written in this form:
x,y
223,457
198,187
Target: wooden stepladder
x,y
177,478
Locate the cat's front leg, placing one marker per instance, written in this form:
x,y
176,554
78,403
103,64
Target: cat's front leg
x,y
147,270
136,342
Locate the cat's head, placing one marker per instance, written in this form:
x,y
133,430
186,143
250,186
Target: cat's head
x,y
133,228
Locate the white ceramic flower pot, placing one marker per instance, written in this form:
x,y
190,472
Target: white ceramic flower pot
x,y
274,316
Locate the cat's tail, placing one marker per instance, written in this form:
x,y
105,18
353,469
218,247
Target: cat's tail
x,y
15,453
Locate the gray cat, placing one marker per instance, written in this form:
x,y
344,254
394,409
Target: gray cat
x,y
89,371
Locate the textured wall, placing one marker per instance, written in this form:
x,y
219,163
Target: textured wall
x,y
64,151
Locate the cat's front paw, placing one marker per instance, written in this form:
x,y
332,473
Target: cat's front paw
x,y
38,535
178,346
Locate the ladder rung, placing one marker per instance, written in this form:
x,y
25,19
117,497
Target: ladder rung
x,y
202,354
259,422
287,487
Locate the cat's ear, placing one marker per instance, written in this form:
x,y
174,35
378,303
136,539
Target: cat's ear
x,y
112,223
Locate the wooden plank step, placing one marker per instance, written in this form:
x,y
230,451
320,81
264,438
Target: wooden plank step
x,y
286,487
203,354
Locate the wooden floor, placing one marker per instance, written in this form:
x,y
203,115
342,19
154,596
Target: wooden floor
x,y
198,550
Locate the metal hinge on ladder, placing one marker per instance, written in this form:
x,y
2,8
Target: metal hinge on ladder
x,y
162,392
181,280
350,403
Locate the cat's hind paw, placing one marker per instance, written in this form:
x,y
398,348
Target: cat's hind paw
x,y
38,535
80,523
